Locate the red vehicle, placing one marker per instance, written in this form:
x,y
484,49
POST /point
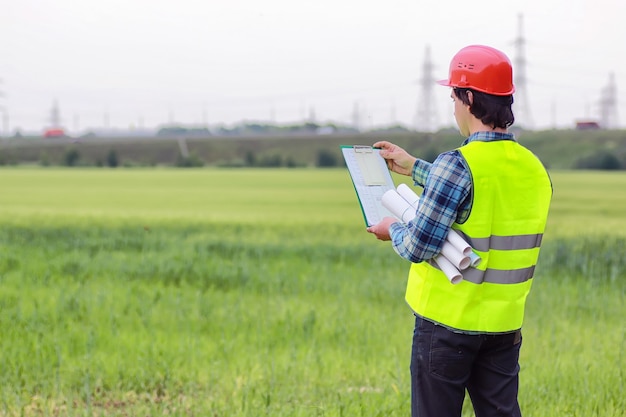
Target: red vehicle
x,y
587,125
54,133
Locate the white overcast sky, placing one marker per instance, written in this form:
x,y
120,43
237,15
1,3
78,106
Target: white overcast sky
x,y
143,63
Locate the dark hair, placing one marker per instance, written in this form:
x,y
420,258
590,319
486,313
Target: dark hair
x,y
494,111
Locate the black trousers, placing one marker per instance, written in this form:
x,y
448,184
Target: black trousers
x,y
444,364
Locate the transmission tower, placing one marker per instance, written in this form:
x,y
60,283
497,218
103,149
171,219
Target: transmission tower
x,y
608,104
521,106
426,117
55,115
356,117
312,115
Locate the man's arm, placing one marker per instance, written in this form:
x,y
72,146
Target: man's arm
x,y
446,187
421,169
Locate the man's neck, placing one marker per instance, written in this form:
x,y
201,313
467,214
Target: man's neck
x,y
478,126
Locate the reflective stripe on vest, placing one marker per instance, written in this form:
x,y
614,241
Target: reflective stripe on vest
x,y
504,242
511,195
496,276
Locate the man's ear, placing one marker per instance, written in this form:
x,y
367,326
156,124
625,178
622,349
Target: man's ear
x,y
470,97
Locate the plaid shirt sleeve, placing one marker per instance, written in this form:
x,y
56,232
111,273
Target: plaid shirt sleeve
x,y
447,184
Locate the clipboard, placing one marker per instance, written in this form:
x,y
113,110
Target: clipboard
x,y
371,179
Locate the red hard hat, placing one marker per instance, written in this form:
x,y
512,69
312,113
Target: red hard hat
x,y
481,68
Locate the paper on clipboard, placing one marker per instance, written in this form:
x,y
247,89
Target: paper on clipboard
x,y
371,179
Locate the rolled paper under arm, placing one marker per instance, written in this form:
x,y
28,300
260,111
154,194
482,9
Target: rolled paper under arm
x,y
409,195
397,205
458,242
474,259
456,254
457,258
453,237
448,269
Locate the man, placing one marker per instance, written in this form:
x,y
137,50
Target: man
x,y
496,193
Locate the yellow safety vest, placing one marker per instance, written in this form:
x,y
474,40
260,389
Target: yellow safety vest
x,y
510,201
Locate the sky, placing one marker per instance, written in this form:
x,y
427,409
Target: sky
x,y
121,64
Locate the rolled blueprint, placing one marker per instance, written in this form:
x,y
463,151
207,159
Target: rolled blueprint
x,y
474,259
456,257
408,194
458,242
456,254
455,239
448,269
398,206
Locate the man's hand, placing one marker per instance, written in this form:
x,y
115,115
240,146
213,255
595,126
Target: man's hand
x,y
381,230
398,160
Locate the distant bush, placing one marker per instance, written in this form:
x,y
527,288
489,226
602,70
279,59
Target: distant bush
x,y
250,159
191,161
603,160
267,161
291,163
112,159
232,163
271,161
71,157
44,159
326,159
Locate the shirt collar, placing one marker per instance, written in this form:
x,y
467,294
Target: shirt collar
x,y
489,137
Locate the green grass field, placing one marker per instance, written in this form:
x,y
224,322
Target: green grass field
x,y
258,292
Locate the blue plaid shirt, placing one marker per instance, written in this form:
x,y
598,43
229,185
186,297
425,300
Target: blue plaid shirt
x,y
447,184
